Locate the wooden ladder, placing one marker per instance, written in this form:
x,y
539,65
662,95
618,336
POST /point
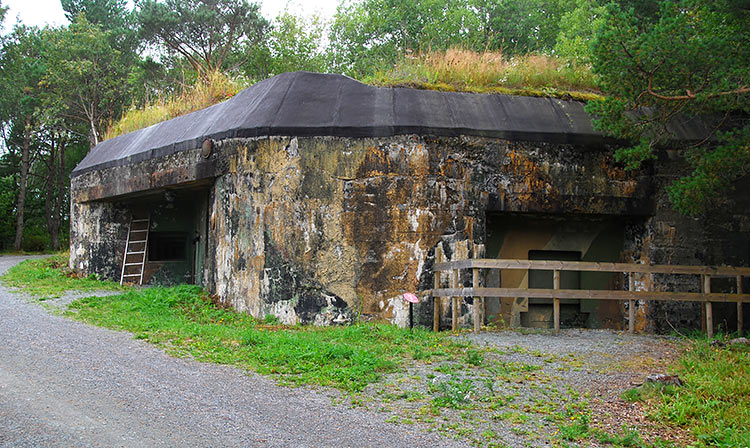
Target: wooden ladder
x,y
136,250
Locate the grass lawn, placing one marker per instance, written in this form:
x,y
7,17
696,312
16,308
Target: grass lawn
x,y
46,278
184,320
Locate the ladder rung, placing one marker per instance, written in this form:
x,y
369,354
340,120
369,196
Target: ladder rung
x,y
136,242
135,253
131,275
144,230
133,264
138,220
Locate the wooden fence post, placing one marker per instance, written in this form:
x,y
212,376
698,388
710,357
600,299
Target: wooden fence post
x,y
454,300
709,310
478,301
631,304
556,301
436,285
739,306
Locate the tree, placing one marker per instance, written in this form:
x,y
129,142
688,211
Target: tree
x,y
112,17
108,14
85,76
578,28
372,33
20,101
292,43
519,26
687,59
204,32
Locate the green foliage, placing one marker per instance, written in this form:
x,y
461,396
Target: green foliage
x,y
370,34
204,93
578,27
713,402
296,43
204,32
184,320
676,60
452,393
84,76
50,277
714,172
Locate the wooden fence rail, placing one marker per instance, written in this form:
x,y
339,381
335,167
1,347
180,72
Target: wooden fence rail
x,y
631,295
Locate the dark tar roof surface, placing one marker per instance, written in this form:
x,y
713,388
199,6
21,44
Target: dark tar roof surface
x,y
313,104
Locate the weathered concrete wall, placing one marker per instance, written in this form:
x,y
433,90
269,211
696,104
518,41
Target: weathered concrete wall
x,y
98,232
306,228
328,229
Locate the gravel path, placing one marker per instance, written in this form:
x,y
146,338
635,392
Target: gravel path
x,y
65,383
524,385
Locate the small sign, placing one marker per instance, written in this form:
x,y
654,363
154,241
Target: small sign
x,y
411,298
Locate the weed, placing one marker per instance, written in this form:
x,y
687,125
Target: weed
x,y
474,357
578,429
452,393
271,319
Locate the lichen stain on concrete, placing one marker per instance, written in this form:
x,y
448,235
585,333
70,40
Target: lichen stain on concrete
x,y
311,228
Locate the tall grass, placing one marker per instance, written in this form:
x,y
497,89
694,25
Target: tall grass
x,y
204,93
458,69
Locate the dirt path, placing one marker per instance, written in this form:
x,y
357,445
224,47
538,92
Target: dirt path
x,y
64,383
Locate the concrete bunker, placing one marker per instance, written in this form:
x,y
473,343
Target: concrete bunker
x,y
322,200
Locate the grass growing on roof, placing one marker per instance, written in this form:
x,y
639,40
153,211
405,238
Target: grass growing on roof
x,y
186,322
204,93
490,72
50,277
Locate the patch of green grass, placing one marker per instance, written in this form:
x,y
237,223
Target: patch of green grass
x,y
185,321
46,278
714,402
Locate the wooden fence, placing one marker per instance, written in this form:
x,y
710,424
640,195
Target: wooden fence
x,y
456,293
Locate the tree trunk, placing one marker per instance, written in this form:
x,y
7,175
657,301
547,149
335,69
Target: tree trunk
x,y
22,183
93,134
57,217
50,186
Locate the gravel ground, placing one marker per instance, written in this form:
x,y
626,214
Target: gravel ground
x,y
521,387
65,383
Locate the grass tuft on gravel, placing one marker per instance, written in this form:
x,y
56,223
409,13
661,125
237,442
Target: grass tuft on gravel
x,y
714,402
186,322
46,278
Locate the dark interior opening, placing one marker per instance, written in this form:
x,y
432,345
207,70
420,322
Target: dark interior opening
x,y
167,246
542,279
